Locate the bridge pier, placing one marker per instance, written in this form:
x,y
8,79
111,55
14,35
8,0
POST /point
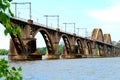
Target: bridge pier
x,y
52,56
68,54
78,52
31,53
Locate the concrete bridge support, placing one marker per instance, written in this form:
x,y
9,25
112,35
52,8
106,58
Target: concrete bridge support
x,y
31,53
54,54
88,49
68,48
95,49
29,44
52,42
79,50
101,50
105,51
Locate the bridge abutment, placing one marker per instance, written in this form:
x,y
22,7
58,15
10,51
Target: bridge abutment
x,y
30,53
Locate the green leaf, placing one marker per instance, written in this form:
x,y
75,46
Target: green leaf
x,y
21,78
7,73
7,4
5,32
13,68
19,69
8,28
11,14
17,28
0,75
14,32
17,74
9,0
3,18
4,1
3,6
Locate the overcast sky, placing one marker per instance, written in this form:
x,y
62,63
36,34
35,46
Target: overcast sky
x,y
90,14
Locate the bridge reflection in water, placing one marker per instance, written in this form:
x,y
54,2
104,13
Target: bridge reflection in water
x,y
99,44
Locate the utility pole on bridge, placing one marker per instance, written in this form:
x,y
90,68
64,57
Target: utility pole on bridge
x,y
69,23
65,26
78,30
52,16
85,31
23,3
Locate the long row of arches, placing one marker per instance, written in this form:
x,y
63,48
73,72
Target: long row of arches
x,y
98,44
82,46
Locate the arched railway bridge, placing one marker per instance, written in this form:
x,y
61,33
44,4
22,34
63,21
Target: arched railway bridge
x,y
99,45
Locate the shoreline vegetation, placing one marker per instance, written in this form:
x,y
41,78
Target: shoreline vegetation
x,y
4,51
42,50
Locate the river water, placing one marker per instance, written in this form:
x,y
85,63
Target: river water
x,y
70,69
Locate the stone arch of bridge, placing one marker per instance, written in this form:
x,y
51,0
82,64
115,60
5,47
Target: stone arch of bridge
x,y
107,39
67,46
80,46
97,35
89,47
105,50
47,39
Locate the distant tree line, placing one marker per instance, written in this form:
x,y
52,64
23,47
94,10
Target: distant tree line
x,y
43,50
60,49
116,43
3,52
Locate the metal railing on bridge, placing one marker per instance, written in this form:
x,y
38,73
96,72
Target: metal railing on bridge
x,y
49,27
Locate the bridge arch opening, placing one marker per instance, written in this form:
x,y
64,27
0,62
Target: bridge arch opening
x,y
47,42
79,44
40,44
66,48
89,48
60,46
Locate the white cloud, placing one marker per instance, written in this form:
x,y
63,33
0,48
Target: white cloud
x,y
114,1
111,14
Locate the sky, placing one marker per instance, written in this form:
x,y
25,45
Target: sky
x,y
87,14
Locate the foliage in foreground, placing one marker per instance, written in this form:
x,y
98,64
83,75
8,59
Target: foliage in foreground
x,y
9,74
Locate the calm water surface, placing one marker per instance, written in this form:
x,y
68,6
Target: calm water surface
x,y
70,69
